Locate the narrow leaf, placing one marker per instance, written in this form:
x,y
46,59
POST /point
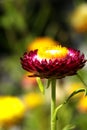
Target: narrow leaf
x,y
76,92
48,83
66,101
69,127
41,87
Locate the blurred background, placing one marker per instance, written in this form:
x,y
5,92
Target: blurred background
x,y
28,24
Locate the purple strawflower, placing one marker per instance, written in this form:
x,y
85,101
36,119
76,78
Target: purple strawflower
x,y
53,62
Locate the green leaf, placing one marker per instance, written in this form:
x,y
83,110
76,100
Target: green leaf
x,y
41,87
76,92
69,127
48,83
66,101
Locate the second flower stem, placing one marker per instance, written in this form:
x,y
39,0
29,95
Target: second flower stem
x,y
53,104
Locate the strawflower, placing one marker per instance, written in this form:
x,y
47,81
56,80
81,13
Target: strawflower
x,y
78,18
41,41
53,62
12,110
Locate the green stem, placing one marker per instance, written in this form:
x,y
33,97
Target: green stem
x,y
66,101
53,104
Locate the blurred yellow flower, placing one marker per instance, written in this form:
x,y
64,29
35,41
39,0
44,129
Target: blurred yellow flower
x,y
11,110
82,104
33,100
79,18
41,42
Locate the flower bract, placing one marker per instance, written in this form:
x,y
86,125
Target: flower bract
x,y
53,62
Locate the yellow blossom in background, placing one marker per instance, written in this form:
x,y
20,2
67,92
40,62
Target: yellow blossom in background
x,y
82,104
79,18
74,86
12,110
33,100
41,42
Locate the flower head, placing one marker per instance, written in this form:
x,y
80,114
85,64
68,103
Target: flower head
x,y
12,110
53,62
41,41
79,18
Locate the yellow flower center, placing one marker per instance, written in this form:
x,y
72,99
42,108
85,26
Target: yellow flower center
x,y
52,52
